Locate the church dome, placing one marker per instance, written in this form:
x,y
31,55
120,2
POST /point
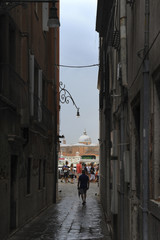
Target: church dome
x,y
85,139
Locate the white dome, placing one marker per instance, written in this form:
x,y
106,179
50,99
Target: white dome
x,y
84,138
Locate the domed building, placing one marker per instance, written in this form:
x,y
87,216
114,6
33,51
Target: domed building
x,y
73,153
85,139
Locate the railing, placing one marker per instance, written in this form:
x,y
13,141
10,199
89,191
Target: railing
x,y
12,87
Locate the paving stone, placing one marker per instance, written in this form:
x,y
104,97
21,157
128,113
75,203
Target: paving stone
x,y
68,219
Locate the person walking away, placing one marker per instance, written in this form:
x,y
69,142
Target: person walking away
x,y
83,186
71,172
79,169
66,172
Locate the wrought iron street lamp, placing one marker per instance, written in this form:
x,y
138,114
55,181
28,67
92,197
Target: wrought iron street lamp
x,y
65,97
53,20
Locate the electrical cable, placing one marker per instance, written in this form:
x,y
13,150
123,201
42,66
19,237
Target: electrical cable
x,y
70,66
116,15
144,58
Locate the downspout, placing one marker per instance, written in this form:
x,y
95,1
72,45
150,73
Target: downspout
x,y
108,140
55,120
123,41
145,156
123,62
122,175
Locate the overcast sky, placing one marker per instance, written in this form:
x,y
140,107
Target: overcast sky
x,y
79,46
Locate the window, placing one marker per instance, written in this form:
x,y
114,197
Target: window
x,y
44,173
35,81
2,42
31,83
36,9
39,175
136,114
45,16
29,176
12,46
156,164
35,87
44,91
39,95
36,102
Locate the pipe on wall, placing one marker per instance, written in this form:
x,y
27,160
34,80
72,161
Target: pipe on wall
x,y
123,61
146,114
123,42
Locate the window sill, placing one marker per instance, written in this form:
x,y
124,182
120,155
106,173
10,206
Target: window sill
x,y
28,195
154,207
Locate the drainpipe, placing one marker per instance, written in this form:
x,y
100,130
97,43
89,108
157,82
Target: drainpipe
x,y
123,61
55,128
122,175
123,41
145,158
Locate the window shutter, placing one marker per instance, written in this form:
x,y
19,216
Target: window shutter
x,y
40,95
31,83
45,15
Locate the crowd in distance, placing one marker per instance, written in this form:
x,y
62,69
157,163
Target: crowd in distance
x,y
71,173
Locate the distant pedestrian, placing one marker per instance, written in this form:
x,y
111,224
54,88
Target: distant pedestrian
x,y
86,170
71,172
79,169
92,176
83,186
66,172
97,174
62,173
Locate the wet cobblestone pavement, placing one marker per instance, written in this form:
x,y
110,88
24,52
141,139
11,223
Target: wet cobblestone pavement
x,y
68,219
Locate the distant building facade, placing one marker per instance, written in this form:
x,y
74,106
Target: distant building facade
x,y
73,152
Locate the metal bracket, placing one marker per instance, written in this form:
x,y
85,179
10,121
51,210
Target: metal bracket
x,y
65,97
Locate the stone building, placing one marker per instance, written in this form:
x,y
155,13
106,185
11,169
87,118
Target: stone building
x,y
73,152
129,93
28,114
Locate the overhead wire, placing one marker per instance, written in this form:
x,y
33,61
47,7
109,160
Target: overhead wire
x,y
80,66
153,42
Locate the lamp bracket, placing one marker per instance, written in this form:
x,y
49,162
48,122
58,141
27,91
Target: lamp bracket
x,y
65,96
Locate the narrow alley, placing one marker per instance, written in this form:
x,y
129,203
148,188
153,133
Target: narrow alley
x,y
68,219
